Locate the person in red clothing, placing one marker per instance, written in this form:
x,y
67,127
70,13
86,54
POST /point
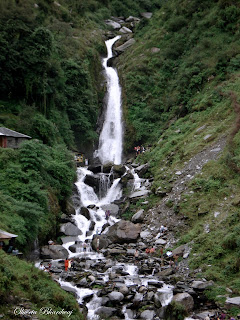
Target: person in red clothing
x,y
66,264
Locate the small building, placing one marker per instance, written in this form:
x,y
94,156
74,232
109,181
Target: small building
x,y
11,139
4,235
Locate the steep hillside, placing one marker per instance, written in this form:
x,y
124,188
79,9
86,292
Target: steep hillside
x,y
182,99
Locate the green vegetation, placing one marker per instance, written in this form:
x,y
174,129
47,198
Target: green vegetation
x,y
181,95
35,182
33,289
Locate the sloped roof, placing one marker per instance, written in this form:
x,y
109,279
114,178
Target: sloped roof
x,y
4,235
10,133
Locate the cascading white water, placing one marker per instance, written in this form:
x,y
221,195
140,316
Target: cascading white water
x,y
110,141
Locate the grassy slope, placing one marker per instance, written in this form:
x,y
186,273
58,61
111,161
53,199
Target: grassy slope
x,y
170,92
31,289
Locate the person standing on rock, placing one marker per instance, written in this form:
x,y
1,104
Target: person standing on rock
x,y
66,264
84,247
136,255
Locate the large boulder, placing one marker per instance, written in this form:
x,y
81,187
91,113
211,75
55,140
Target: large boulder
x,y
95,168
54,252
69,229
116,296
148,314
124,231
138,216
185,299
119,169
125,46
114,209
103,241
141,170
233,302
201,285
105,312
179,250
107,167
85,212
138,194
92,181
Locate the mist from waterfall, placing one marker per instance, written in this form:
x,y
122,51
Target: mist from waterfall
x,y
111,137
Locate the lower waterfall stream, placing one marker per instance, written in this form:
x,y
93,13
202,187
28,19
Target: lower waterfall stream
x,y
122,275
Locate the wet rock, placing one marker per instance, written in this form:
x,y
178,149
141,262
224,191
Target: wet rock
x,y
92,181
92,225
119,169
95,168
85,212
116,296
68,289
148,314
123,231
107,167
114,209
124,290
68,239
105,312
185,299
103,241
138,216
141,170
69,229
53,252
82,283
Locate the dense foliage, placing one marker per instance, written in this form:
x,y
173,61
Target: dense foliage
x,y
35,181
24,286
182,95
178,53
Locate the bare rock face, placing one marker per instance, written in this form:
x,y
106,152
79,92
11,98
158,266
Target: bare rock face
x,y
185,299
69,229
54,252
124,231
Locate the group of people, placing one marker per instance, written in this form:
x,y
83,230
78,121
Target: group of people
x,y
45,268
138,150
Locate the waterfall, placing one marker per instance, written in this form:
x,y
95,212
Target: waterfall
x,y
110,141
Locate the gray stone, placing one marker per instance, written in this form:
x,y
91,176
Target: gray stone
x,y
124,290
116,296
103,241
114,209
125,46
207,137
202,285
85,212
93,181
54,252
69,229
125,30
147,15
132,19
138,216
113,24
139,194
123,231
105,312
231,302
158,298
160,242
141,170
179,251
185,299
148,314
145,234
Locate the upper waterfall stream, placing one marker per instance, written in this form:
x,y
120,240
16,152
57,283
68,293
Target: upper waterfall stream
x,y
110,141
